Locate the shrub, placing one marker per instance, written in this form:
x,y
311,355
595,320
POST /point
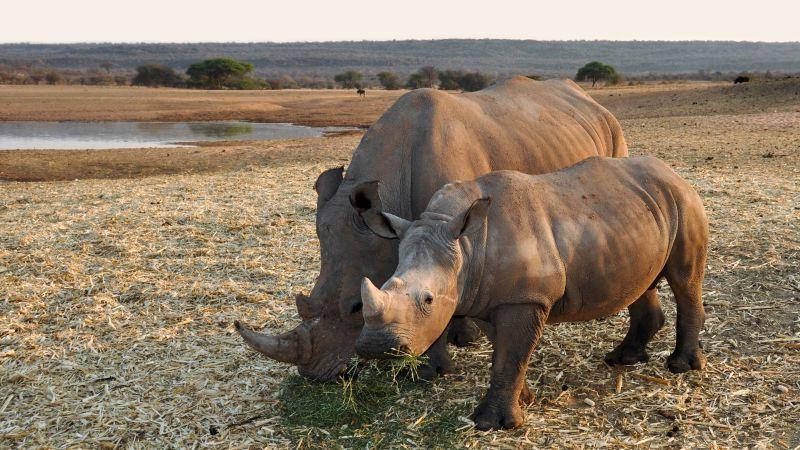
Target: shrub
x,y
389,80
217,73
52,77
475,81
37,77
349,79
450,80
466,81
426,77
99,79
156,75
249,84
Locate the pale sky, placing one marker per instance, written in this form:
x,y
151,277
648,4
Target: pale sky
x,y
298,20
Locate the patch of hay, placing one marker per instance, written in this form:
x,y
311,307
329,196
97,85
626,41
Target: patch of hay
x,y
117,298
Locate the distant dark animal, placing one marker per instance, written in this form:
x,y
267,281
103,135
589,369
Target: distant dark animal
x,y
741,79
361,92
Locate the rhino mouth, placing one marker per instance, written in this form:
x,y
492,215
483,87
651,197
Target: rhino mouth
x,y
335,372
375,344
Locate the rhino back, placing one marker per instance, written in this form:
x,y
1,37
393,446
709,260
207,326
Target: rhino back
x,y
592,237
430,137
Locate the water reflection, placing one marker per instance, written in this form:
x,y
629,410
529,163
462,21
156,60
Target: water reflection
x,y
103,135
222,130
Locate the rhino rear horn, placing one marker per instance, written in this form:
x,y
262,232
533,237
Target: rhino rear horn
x,y
307,307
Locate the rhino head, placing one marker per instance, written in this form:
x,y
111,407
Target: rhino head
x,y
323,345
412,309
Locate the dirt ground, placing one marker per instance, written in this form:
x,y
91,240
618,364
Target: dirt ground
x,y
117,298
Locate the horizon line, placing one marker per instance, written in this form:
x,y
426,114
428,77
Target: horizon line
x,y
393,40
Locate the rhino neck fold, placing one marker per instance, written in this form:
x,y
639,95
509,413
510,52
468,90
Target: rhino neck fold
x,y
473,251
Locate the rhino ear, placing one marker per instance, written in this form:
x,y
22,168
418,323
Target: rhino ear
x,y
470,220
390,227
327,184
366,199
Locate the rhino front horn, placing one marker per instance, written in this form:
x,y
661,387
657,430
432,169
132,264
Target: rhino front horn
x,y
290,347
372,299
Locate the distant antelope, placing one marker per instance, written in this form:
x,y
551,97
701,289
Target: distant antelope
x,y
361,92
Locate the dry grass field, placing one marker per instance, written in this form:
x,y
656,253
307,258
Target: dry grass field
x,y
91,103
117,298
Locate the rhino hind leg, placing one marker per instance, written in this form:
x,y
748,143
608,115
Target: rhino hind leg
x,y
688,354
685,271
646,318
462,332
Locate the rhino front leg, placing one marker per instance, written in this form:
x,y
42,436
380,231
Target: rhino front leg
x,y
462,332
439,361
519,328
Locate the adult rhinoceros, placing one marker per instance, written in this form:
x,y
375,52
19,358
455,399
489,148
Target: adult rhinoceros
x,y
426,139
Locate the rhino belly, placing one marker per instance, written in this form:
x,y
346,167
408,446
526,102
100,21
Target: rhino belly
x,y
601,285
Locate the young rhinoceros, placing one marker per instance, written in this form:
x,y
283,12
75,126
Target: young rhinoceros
x,y
519,251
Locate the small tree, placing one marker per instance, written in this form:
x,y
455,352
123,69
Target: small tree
x,y
349,79
389,80
474,81
156,75
450,80
107,65
52,77
597,71
426,77
37,77
216,73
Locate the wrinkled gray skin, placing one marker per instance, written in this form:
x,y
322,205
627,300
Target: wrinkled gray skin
x,y
426,139
517,251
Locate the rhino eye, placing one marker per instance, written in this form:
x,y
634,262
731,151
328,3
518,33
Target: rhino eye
x,y
428,298
356,308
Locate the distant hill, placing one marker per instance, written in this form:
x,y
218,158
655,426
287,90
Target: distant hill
x,y
498,57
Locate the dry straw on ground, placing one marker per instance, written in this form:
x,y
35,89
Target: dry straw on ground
x,y
117,298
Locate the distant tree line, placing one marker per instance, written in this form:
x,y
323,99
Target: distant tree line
x,y
500,58
227,73
425,77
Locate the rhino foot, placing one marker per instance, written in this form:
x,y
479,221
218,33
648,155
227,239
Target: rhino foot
x,y
526,396
463,332
626,356
686,361
490,416
435,369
